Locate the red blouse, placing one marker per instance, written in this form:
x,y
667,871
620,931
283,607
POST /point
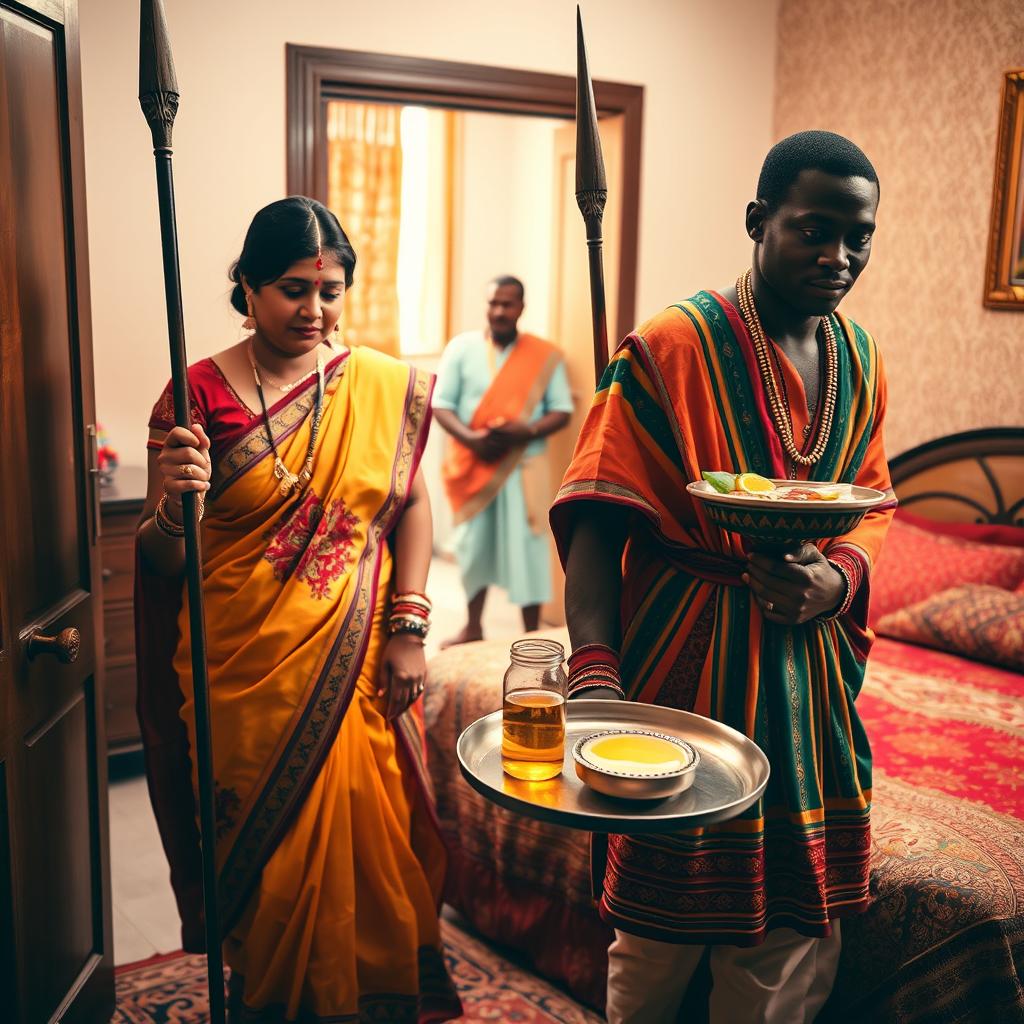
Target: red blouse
x,y
216,406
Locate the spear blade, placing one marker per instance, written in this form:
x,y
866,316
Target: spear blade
x,y
158,97
591,195
158,84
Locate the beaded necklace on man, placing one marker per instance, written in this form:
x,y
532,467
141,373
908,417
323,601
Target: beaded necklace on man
x,y
289,481
776,401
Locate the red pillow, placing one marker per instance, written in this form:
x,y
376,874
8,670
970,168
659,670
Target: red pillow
x,y
979,533
984,623
914,564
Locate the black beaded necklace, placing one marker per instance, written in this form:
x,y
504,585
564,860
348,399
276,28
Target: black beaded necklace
x,y
289,481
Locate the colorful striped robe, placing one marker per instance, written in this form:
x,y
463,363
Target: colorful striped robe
x,y
681,395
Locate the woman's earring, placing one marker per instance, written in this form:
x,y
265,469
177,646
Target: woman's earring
x,y
249,323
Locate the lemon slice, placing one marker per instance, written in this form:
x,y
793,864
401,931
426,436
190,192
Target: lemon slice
x,y
752,483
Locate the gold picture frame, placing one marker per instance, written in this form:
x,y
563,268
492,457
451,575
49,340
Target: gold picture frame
x,y
1004,272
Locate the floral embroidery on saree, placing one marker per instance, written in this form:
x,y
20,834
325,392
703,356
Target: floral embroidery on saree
x,y
314,543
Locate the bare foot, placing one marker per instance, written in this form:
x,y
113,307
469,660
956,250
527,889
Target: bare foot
x,y
464,636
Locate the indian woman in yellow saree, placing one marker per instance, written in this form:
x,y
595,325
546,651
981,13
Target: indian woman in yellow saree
x,y
329,864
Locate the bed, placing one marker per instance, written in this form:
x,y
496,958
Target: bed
x,y
943,939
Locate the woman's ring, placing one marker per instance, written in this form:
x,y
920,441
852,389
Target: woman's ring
x,y
769,606
186,470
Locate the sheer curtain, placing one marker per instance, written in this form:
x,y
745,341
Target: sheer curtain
x,y
364,190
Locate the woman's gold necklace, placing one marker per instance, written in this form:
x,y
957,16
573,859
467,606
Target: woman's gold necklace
x,y
272,381
776,402
289,481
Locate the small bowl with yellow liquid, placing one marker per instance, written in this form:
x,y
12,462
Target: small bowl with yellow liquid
x,y
635,764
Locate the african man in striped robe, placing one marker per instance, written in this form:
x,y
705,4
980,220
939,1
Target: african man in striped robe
x,y
666,608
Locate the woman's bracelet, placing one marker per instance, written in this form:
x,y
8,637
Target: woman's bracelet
x,y
169,526
408,608
410,614
411,603
165,524
415,625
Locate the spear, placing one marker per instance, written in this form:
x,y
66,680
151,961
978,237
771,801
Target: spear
x,y
158,96
591,194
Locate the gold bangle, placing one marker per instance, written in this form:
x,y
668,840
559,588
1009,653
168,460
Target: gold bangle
x,y
165,500
164,522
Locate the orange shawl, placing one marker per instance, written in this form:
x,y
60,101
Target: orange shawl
x,y
470,482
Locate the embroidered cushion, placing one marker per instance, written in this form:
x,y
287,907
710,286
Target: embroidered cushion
x,y
915,564
976,621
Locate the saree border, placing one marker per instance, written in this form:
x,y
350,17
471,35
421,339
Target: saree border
x,y
306,749
253,445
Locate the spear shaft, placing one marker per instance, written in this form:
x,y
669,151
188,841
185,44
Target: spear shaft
x,y
591,195
158,96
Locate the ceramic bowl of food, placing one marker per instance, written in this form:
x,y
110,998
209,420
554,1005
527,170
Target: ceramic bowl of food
x,y
786,511
635,764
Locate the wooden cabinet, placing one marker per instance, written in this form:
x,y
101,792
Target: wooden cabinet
x,y
121,504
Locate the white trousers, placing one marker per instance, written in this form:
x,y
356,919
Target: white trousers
x,y
786,980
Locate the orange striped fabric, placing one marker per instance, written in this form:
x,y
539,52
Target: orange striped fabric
x,y
681,395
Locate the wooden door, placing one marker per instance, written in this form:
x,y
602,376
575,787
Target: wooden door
x,y
55,931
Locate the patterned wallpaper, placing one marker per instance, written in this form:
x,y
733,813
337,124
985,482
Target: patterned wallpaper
x,y
917,85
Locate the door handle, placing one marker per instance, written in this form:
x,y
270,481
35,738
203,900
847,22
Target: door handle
x,y
65,645
94,479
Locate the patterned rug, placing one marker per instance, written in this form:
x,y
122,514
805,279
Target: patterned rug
x,y
171,989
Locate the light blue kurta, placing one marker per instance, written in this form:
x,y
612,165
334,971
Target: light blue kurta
x,y
497,547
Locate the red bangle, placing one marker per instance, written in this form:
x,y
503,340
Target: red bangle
x,y
594,665
409,607
593,654
582,687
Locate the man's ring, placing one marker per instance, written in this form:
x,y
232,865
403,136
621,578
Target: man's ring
x,y
769,606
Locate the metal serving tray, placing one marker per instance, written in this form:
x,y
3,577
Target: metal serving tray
x,y
733,772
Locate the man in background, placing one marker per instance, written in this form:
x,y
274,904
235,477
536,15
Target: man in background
x,y
499,394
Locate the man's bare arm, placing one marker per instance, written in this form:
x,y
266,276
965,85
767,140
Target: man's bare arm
x,y
593,579
459,430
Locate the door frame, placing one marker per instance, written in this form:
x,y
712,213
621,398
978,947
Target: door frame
x,y
316,75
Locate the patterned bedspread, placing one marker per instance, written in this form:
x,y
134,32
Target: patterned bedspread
x,y
943,939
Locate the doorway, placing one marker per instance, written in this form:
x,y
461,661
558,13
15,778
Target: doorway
x,y
484,186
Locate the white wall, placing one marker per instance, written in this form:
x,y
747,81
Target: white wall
x,y
707,66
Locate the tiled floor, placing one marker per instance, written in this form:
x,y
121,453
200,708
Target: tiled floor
x,y
145,918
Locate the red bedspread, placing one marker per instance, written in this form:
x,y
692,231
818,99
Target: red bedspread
x,y
944,723
943,939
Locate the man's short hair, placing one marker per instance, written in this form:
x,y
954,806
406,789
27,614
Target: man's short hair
x,y
810,151
505,280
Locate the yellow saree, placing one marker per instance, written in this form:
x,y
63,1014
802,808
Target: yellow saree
x,y
329,866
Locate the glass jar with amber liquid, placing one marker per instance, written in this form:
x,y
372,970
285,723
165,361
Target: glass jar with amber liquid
x,y
533,711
